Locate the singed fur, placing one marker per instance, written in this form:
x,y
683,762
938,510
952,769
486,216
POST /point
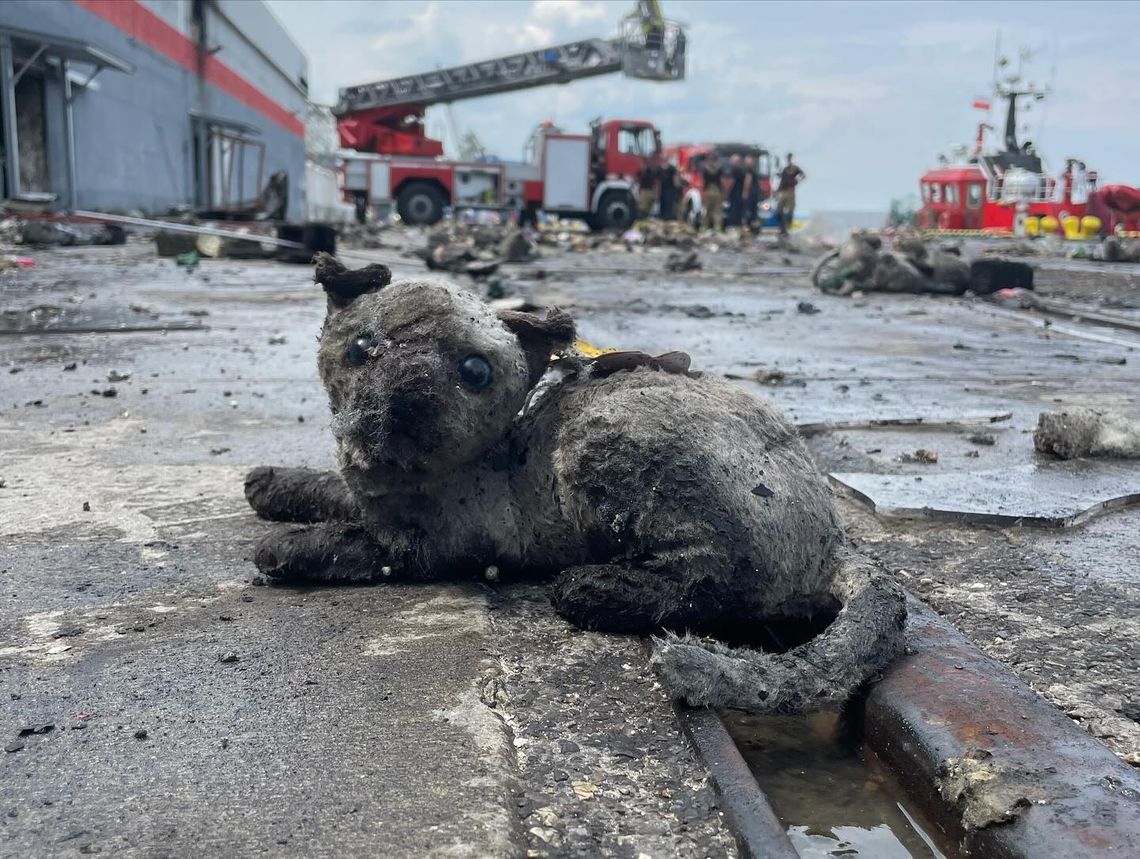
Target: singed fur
x,y
657,501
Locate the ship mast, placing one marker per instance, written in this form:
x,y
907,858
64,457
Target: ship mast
x,y
1010,90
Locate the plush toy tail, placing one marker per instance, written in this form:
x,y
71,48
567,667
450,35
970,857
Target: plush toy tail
x,y
821,674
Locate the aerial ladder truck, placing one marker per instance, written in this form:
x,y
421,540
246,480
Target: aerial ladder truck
x,y
591,176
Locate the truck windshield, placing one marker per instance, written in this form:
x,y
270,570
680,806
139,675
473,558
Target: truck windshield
x,y
637,140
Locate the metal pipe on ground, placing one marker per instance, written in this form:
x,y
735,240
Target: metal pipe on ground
x,y
1004,772
758,831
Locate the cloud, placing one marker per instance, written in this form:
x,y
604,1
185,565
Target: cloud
x,y
865,94
572,12
419,27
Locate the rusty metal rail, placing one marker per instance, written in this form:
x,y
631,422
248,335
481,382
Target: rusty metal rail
x,y
1005,773
999,770
747,813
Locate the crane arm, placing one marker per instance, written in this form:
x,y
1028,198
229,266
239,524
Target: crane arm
x,y
556,64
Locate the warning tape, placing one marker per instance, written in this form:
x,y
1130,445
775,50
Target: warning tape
x,y
996,234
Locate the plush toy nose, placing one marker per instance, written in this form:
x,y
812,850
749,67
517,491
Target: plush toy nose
x,y
409,410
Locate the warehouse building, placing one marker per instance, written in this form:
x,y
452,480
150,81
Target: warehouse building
x,y
152,106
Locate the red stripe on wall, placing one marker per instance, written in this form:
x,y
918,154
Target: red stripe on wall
x,y
140,23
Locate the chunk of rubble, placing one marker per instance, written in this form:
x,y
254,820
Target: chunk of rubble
x,y
1114,249
517,247
1080,432
683,261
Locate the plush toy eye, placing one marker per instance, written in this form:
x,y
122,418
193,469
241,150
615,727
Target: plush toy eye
x,y
475,372
357,351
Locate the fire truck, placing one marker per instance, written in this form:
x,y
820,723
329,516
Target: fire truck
x,y
589,175
1009,191
690,160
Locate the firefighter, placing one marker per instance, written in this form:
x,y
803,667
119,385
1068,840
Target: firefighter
x,y
652,24
712,195
647,187
735,192
670,182
790,176
751,195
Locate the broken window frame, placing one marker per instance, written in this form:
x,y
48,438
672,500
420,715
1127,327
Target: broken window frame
x,y
221,145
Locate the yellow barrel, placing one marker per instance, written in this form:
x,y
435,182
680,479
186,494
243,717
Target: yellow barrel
x,y
1048,225
1033,226
1090,227
1071,224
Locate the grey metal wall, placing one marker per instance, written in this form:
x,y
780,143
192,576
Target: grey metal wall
x,y
133,137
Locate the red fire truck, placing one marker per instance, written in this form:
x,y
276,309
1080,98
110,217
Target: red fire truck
x,y
591,175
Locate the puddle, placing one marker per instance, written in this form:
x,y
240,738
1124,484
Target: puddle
x,y
835,798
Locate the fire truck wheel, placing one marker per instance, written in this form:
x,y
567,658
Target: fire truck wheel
x,y
420,203
617,210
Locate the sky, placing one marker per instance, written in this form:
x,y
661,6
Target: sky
x,y
866,94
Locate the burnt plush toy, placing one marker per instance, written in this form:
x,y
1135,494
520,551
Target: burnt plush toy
x,y
656,501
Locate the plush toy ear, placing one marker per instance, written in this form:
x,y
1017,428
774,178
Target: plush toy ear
x,y
539,336
343,286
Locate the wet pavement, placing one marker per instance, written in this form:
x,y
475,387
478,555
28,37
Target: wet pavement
x,y
159,701
1059,607
458,719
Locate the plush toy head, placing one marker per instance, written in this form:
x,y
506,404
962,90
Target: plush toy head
x,y
423,376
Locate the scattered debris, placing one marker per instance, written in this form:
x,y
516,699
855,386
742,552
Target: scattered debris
x,y
777,378
516,247
862,263
1015,299
228,656
276,339
984,438
683,261
584,789
1083,432
807,307
184,246
116,376
141,734
38,232
481,268
667,233
8,262
926,457
1114,249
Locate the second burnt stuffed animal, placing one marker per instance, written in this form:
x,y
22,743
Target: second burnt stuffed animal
x,y
656,501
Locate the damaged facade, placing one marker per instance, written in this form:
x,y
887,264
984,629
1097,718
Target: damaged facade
x,y
151,105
